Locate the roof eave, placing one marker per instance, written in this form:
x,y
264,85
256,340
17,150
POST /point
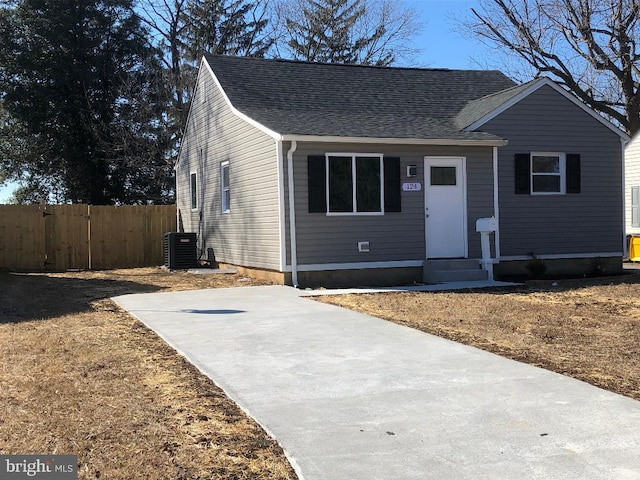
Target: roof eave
x,y
175,165
497,142
204,64
275,135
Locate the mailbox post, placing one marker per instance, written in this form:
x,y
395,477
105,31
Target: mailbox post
x,y
486,226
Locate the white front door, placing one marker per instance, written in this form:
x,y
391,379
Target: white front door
x,y
445,207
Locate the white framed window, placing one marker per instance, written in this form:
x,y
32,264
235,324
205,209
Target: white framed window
x,y
355,184
225,187
548,173
193,189
203,91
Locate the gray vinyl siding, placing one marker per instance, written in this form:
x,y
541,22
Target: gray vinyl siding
x,y
587,222
249,235
323,239
632,179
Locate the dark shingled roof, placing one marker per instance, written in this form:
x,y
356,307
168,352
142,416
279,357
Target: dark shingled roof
x,y
476,109
302,98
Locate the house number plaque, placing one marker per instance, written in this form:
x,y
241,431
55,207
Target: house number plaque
x,y
411,187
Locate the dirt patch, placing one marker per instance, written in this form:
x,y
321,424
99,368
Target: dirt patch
x,y
80,376
588,329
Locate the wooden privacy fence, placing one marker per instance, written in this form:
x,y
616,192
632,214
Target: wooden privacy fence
x,y
64,237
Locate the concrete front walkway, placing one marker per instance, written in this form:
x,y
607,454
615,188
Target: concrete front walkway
x,y
349,396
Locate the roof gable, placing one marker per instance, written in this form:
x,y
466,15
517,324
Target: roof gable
x,y
480,111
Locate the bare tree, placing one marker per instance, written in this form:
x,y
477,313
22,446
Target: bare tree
x,y
401,26
589,46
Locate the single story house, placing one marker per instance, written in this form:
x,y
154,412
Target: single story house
x,y
326,174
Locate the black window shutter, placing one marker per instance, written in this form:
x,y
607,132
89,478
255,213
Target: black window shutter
x,y
573,173
317,178
523,173
392,187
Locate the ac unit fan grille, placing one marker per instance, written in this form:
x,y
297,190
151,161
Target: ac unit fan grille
x,y
180,251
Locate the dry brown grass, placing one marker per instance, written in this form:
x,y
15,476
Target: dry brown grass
x,y
588,329
80,376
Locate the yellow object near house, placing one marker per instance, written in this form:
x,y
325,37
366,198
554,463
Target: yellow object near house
x,y
634,248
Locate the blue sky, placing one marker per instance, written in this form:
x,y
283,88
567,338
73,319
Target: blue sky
x,y
443,46
442,42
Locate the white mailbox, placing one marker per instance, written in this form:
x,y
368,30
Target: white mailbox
x,y
486,226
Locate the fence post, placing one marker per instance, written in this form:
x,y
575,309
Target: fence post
x,y
89,235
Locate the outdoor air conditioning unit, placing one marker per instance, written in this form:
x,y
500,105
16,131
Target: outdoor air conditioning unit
x,y
180,252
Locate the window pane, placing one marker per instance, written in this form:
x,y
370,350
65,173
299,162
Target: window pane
x,y
368,184
225,176
226,200
340,184
546,165
443,175
194,193
546,183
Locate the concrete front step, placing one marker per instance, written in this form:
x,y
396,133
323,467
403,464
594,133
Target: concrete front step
x,y
453,270
446,276
453,264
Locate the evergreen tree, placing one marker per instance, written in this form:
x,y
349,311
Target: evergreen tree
x,y
84,101
326,32
166,20
225,27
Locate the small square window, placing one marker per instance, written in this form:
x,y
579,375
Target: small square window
x,y
548,173
443,176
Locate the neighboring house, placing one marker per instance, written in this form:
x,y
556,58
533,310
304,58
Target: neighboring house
x,y
632,187
336,174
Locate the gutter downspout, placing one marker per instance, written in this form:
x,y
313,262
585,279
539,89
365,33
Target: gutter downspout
x,y
625,245
292,214
496,205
